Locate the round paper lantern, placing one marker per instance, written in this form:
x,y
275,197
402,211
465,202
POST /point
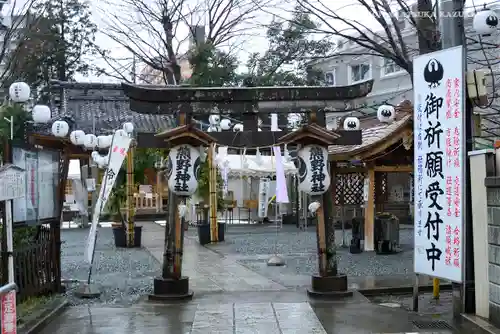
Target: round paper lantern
x,y
314,178
238,127
185,167
128,127
225,124
351,123
103,141
214,119
77,137
41,114
19,92
485,22
386,114
121,133
90,141
60,129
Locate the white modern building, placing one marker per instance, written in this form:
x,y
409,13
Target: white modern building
x,y
391,83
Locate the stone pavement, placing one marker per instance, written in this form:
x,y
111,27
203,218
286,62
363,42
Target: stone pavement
x,y
231,299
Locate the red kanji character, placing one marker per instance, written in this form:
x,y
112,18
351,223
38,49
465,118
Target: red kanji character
x,y
457,212
447,260
456,231
448,229
447,250
457,81
122,151
456,262
448,239
115,149
449,213
456,163
456,241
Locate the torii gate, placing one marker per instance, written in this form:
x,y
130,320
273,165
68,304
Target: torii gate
x,y
248,103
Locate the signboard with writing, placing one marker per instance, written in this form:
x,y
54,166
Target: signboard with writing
x,y
439,138
41,180
12,179
8,316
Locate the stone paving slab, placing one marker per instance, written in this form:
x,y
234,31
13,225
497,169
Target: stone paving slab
x,y
207,270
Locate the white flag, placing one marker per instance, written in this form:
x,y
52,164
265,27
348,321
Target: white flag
x,y
119,149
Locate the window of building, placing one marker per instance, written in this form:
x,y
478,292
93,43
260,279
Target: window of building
x,y
360,72
390,67
330,78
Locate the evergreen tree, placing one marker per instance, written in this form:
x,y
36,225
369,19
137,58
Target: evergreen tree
x,y
59,45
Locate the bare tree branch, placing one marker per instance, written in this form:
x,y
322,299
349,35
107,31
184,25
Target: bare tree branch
x,y
156,32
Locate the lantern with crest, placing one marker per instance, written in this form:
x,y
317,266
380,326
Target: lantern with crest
x,y
183,170
314,178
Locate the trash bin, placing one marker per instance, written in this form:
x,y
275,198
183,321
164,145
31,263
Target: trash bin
x,y
358,233
203,233
386,233
222,231
137,236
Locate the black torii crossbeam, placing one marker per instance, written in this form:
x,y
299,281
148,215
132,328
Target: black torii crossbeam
x,y
244,102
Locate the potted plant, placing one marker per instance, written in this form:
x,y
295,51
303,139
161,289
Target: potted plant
x,y
116,202
203,192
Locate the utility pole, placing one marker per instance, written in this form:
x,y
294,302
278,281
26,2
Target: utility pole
x,y
453,34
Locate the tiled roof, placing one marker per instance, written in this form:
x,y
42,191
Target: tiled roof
x,y
373,132
102,107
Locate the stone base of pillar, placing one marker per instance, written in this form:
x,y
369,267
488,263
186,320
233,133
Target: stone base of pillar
x,y
330,287
168,289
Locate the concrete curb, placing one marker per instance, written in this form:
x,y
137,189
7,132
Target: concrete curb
x,y
44,319
482,324
399,290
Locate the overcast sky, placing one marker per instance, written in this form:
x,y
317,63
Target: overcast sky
x,y
247,44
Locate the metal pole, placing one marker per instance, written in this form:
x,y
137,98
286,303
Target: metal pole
x,y
453,34
9,220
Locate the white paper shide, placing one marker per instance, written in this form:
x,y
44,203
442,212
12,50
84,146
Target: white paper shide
x,y
439,139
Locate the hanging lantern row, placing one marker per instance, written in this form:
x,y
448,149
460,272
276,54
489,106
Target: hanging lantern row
x,y
20,92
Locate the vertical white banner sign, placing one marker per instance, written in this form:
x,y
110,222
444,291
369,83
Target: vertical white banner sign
x,y
439,137
119,149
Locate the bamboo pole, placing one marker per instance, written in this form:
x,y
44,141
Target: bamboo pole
x,y
130,196
178,242
321,238
212,185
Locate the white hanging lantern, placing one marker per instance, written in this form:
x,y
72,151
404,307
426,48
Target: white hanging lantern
x,y
314,178
19,92
77,137
225,124
185,165
128,127
214,119
351,123
386,114
103,142
485,22
121,133
60,129
41,114
238,127
90,141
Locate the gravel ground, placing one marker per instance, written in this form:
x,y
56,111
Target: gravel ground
x,y
123,275
253,246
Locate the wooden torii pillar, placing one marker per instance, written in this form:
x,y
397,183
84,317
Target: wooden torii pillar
x,y
247,103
